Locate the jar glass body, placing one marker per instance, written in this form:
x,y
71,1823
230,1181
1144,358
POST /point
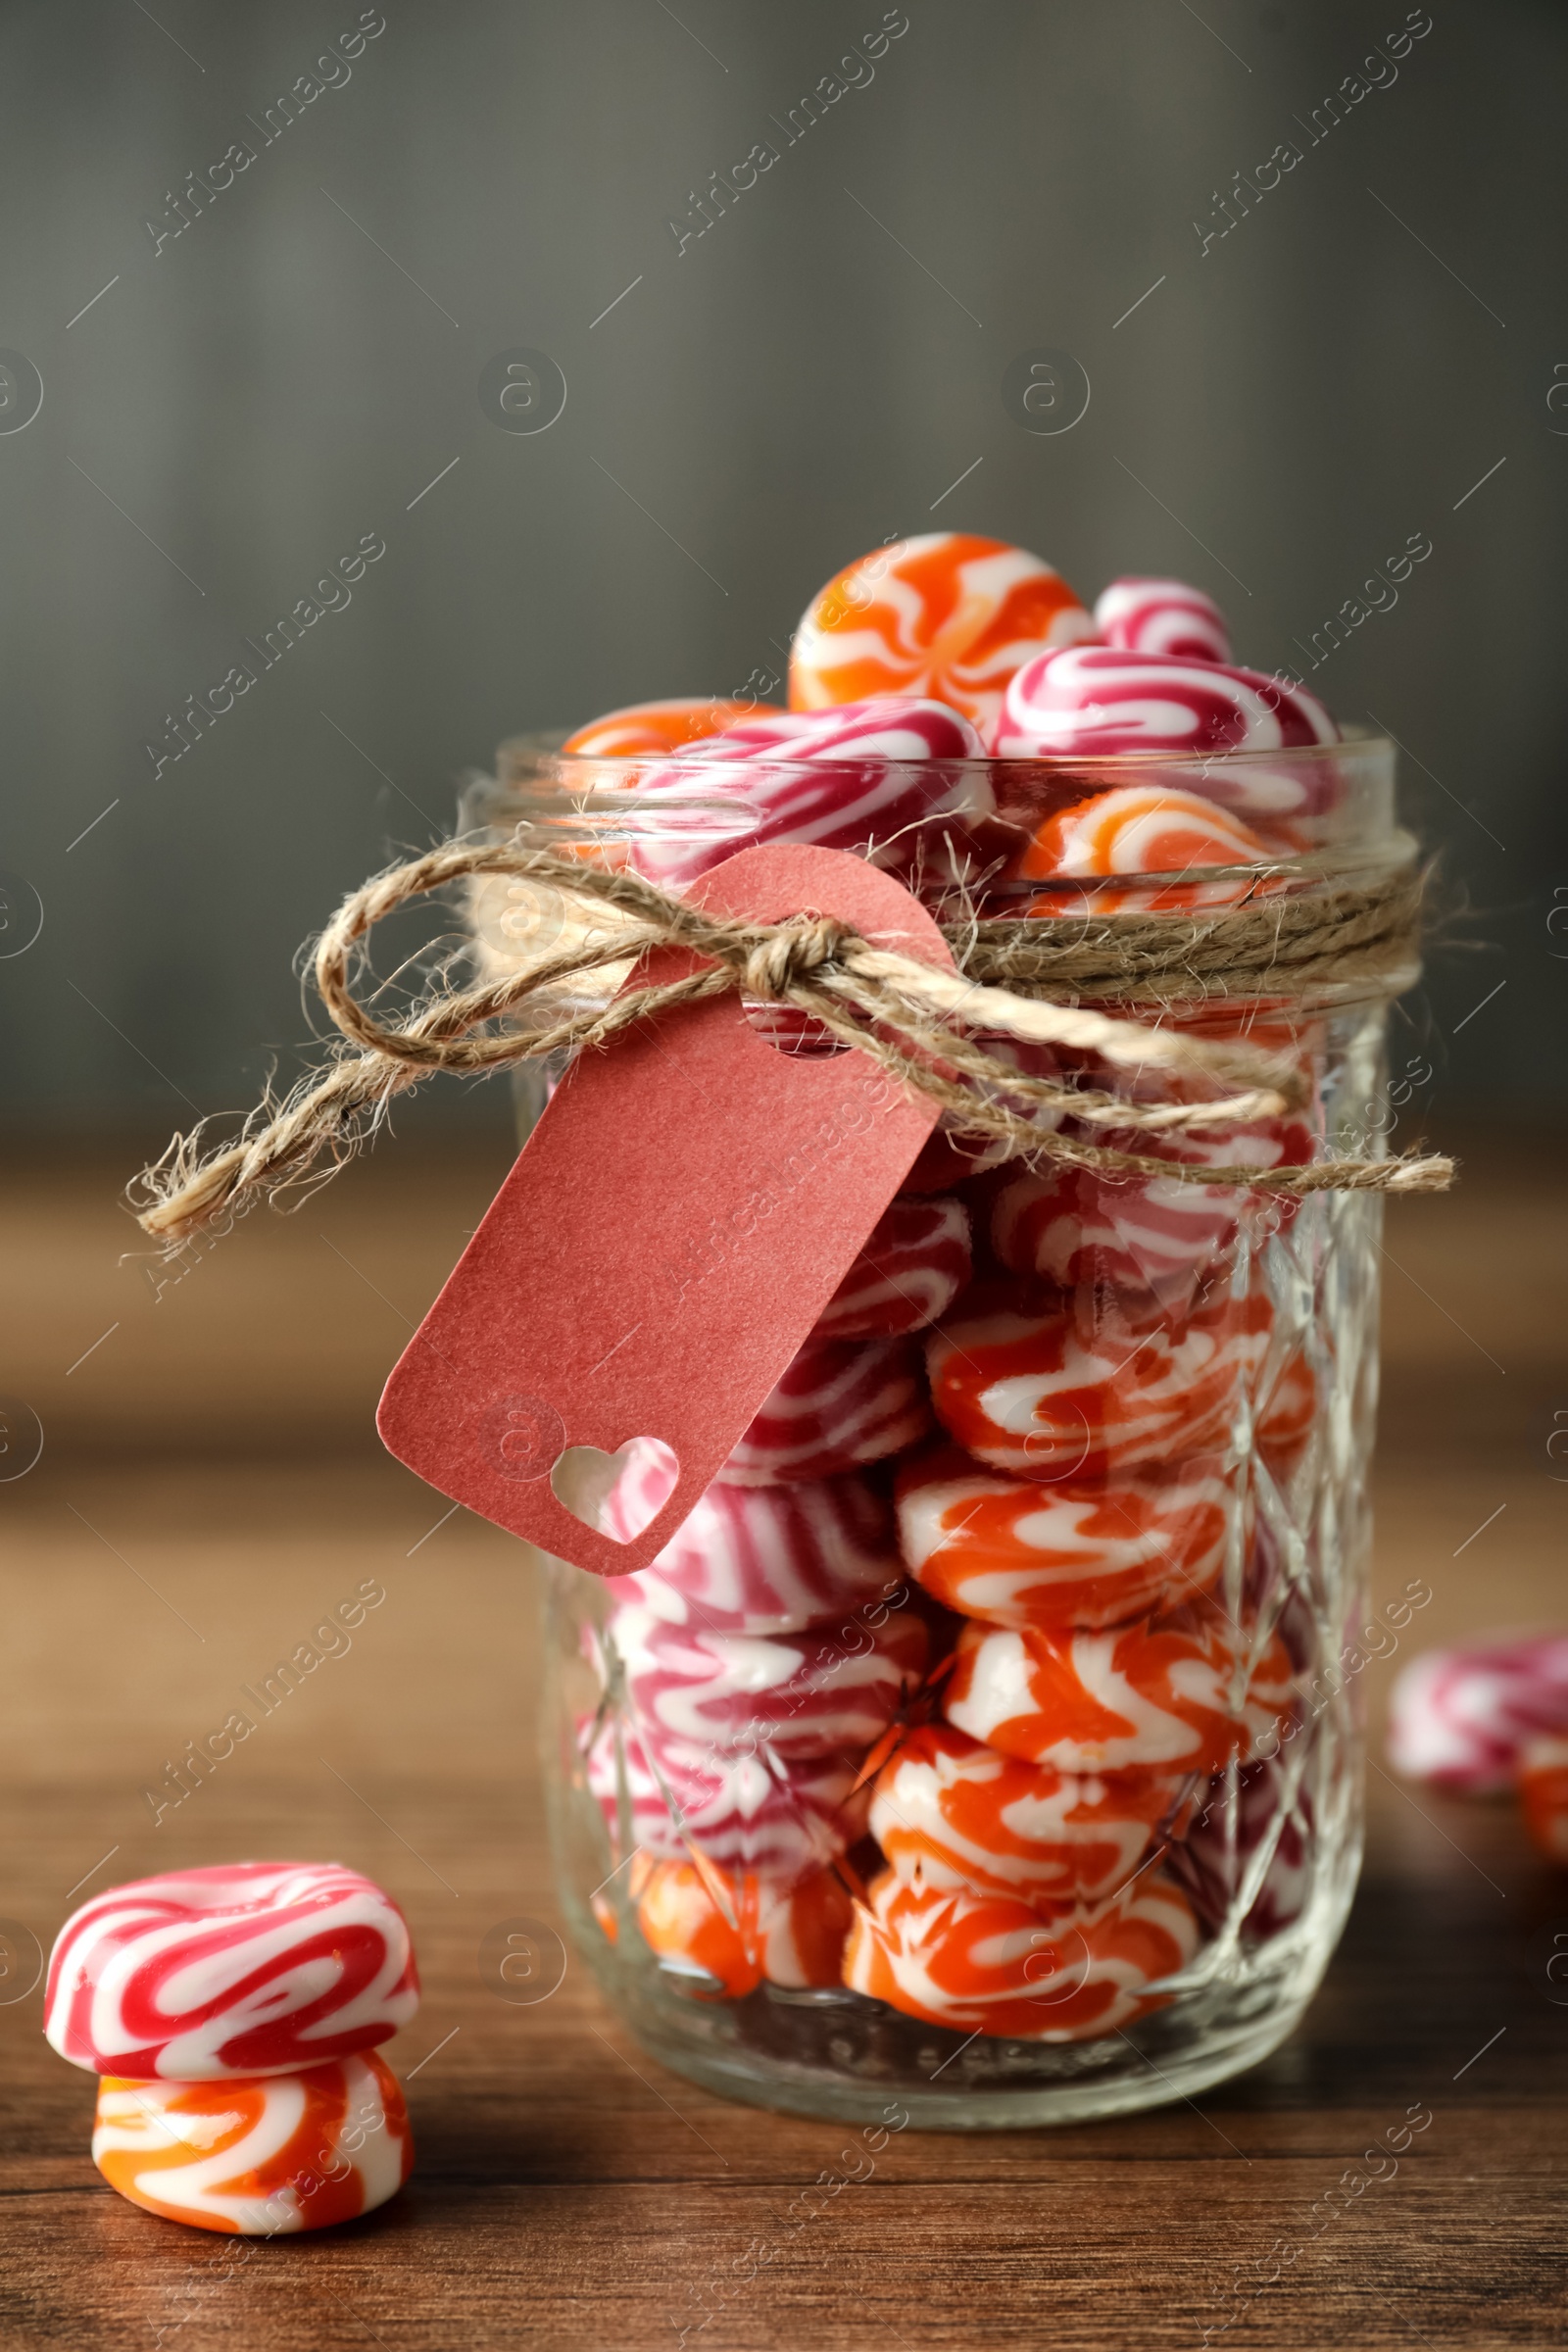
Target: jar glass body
x,y
1089,1841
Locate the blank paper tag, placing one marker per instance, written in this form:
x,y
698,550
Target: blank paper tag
x,y
673,1229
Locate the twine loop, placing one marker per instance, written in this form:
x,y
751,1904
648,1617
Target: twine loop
x,y
934,1030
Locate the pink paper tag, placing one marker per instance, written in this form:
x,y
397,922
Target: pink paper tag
x,y
673,1229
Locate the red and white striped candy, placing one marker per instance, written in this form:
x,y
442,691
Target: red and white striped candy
x,y
1085,700
945,613
1145,830
819,1694
1018,1554
249,1968
1074,1225
744,1810
887,780
734,1934
260,2156
1162,616
771,1559
1061,1385
1461,1717
1288,1415
1544,1795
1152,1696
991,1964
651,730
1248,1834
954,1813
838,1403
909,1272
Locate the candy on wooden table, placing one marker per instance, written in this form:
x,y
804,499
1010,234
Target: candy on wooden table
x,y
817,1694
1249,1836
945,614
245,1968
1162,616
885,779
1073,1225
258,2156
744,1809
957,1813
1461,1717
915,1263
1544,1795
644,730
1157,1695
838,1403
984,1963
1018,1552
1089,700
1145,830
1059,1386
771,1559
731,1932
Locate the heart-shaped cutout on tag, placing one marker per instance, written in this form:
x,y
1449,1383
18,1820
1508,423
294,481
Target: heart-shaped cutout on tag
x,y
618,1493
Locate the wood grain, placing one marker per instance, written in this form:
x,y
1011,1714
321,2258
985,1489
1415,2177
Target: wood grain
x,y
211,1484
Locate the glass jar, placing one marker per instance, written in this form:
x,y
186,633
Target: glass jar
x,y
1003,1757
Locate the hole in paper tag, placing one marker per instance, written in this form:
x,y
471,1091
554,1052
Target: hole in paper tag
x,y
789,1031
521,1436
618,1493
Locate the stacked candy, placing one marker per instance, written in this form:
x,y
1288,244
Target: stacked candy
x,y
1061,1382
232,2015
1489,1716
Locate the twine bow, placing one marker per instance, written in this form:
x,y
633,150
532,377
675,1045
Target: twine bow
x,y
921,1023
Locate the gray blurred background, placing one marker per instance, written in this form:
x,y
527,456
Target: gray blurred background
x,y
1369,352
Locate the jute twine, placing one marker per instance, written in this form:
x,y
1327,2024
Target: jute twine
x,y
921,1025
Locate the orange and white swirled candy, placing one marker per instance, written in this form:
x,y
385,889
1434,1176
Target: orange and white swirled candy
x,y
982,1963
944,614
1152,829
1018,1554
742,1931
647,730
955,1813
1152,1696
260,2156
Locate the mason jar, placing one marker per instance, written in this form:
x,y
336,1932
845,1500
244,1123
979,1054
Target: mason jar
x,y
994,1747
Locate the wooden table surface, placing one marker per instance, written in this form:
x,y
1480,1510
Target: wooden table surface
x,y
211,1484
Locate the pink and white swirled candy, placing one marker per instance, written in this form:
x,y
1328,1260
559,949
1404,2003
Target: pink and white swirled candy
x,y
862,776
251,1968
1083,699
1162,616
745,1810
1462,1716
772,1559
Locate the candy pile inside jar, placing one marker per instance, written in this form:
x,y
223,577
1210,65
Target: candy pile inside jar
x,y
965,1685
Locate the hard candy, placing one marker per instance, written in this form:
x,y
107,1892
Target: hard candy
x,y
1162,616
1083,701
1144,829
1462,1717
951,1812
772,1559
828,1693
745,1810
1064,1386
914,1265
731,1933
945,614
248,1968
981,1963
838,1403
1158,1695
647,730
258,2156
1247,1848
1020,1553
893,781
